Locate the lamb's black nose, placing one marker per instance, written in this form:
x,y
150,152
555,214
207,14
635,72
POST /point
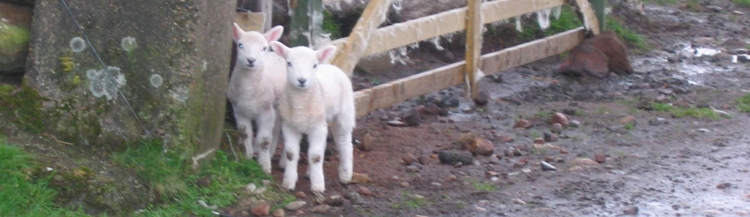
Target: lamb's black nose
x,y
251,62
301,81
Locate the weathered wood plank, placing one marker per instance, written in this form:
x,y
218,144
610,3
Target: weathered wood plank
x,y
356,44
250,21
473,46
401,34
390,93
589,20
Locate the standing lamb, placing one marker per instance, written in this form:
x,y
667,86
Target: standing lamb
x,y
257,81
316,94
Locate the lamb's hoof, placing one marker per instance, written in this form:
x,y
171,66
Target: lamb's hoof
x,y
319,197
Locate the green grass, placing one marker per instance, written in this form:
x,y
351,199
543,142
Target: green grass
x,y
629,125
22,194
629,36
330,25
682,112
743,103
568,20
480,186
535,135
410,201
745,3
661,2
171,179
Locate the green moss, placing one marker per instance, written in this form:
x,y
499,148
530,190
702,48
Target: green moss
x,y
13,39
67,64
23,106
76,80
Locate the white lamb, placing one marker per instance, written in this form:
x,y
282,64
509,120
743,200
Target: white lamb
x,y
316,94
257,81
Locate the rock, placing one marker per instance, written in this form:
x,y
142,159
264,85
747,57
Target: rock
x,y
296,205
451,158
714,8
451,178
584,162
412,169
560,118
412,118
509,152
409,159
375,64
480,209
15,25
404,184
563,151
517,152
482,98
557,128
367,142
505,138
724,185
704,40
204,181
467,110
550,137
518,201
490,174
657,121
300,195
627,119
538,140
600,158
448,102
547,166
673,59
335,200
187,46
523,123
631,211
432,109
481,146
396,123
320,208
495,159
425,160
570,111
244,213
354,197
575,123
278,213
364,191
736,12
360,178
261,210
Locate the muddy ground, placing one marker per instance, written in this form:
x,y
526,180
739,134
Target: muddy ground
x,y
656,165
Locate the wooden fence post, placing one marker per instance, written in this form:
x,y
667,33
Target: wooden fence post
x,y
589,20
307,21
356,44
473,46
599,7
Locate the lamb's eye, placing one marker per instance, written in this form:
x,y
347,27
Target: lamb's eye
x,y
289,63
315,66
240,46
265,48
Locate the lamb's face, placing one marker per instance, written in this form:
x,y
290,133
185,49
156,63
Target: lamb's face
x,y
302,63
252,46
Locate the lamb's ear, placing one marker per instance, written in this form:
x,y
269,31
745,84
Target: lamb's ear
x,y
237,32
325,53
274,33
280,49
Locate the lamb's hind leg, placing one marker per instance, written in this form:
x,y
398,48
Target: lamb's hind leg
x,y
266,139
315,155
342,136
245,126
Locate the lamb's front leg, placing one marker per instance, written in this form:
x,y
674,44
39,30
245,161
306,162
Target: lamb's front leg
x,y
315,155
291,146
245,126
266,139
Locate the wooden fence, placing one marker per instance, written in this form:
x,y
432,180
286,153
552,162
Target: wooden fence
x,y
367,39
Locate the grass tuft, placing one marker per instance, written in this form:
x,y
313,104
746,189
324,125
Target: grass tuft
x,y
682,112
629,36
21,193
743,103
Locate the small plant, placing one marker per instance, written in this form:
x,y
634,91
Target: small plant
x,y
629,125
662,107
743,103
480,186
330,25
376,81
543,115
568,20
410,201
681,112
535,135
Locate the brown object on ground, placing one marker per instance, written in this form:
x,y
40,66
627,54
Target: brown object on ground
x,y
598,56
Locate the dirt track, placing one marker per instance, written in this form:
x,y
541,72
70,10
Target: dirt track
x,y
658,165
